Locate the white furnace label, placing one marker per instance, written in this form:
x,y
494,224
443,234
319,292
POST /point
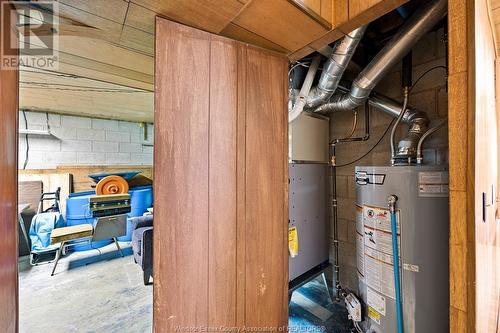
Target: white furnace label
x,y
375,300
433,184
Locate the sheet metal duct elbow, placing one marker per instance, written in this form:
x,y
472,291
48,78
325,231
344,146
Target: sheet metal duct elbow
x,y
334,68
418,25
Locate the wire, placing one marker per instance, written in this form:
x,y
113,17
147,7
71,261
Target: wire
x,y
357,327
90,90
354,124
353,129
48,85
296,65
27,141
371,149
48,124
72,76
425,73
47,72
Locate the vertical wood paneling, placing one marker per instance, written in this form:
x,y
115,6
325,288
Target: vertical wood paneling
x,y
358,6
327,10
222,183
8,194
284,188
181,177
264,190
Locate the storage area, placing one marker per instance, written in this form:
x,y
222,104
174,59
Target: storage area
x,y
84,139
388,179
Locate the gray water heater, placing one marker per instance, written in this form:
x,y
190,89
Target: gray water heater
x,y
422,217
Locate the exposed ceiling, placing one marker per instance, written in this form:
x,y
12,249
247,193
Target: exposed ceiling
x,y
105,64
67,94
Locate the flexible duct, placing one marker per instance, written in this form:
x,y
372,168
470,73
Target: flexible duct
x,y
418,25
334,68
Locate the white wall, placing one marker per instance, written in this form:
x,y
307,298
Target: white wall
x,y
83,141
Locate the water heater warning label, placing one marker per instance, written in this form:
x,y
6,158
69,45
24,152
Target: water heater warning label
x,y
373,315
378,272
375,300
433,184
374,246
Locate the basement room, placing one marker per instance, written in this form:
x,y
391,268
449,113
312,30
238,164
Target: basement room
x,y
249,166
85,170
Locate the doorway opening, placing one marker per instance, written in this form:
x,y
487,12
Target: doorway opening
x,y
85,169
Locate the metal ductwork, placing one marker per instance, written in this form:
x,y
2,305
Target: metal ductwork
x,y
334,68
417,121
391,107
392,53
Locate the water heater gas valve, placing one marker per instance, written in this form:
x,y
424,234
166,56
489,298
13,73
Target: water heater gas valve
x,y
353,306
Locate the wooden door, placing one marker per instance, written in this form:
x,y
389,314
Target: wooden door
x,y
221,214
8,190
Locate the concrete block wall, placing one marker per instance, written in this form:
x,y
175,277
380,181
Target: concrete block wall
x,y
83,141
429,95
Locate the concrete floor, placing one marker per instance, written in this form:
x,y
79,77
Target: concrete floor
x,y
90,292
93,292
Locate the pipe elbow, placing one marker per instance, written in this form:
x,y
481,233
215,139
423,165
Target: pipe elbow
x,y
407,147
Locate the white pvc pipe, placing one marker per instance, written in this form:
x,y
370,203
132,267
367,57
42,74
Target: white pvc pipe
x,y
304,91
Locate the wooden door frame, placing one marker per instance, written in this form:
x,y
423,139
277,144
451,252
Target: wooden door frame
x,y
461,134
9,105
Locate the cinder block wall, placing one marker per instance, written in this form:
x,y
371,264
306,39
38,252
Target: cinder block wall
x,y
83,141
429,95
